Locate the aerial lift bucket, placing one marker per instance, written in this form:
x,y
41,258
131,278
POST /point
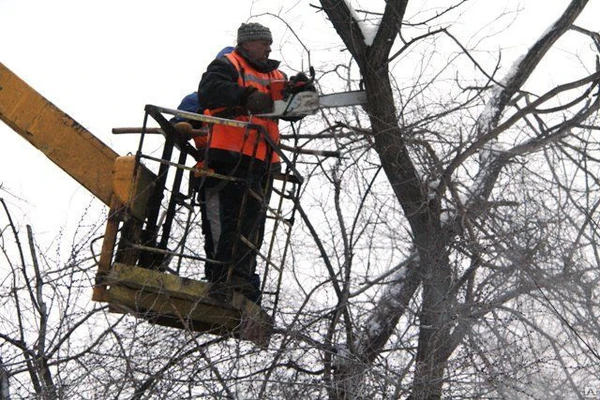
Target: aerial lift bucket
x,y
142,243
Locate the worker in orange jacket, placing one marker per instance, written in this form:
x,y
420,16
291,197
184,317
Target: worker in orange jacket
x,y
237,86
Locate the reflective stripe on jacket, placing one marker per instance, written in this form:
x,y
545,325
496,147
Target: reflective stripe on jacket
x,y
247,142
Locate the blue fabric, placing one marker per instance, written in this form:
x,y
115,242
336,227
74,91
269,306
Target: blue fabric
x,y
225,50
189,103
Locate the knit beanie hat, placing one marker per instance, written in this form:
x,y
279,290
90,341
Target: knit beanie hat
x,y
253,31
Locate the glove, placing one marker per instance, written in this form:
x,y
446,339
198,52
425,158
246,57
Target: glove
x,y
301,83
258,102
299,78
184,128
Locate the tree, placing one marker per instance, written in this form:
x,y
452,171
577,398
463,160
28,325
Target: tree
x,y
473,253
451,252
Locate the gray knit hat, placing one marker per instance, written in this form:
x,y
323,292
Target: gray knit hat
x,y
253,31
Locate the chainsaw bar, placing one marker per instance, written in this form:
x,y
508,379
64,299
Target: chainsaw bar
x,y
343,99
307,103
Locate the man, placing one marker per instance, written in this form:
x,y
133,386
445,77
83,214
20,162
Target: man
x,y
236,86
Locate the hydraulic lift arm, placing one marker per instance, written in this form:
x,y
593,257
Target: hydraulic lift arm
x,y
64,141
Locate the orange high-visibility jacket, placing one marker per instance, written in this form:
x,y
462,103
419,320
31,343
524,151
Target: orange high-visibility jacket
x,y
247,142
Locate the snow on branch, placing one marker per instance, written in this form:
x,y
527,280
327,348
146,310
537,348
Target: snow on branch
x,y
368,41
369,31
488,126
525,65
390,307
493,156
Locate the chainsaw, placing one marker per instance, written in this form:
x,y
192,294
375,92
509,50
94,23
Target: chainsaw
x,y
299,99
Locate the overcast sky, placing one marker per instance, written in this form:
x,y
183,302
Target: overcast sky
x,y
101,62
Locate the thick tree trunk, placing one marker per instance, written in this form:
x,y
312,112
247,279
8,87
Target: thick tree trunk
x,y
4,389
435,329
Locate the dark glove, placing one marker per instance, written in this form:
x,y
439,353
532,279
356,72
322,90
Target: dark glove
x,y
301,83
258,102
299,77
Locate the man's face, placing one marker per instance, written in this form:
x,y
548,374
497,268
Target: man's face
x,y
258,50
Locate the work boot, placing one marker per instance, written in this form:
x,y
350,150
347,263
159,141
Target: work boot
x,y
250,288
256,295
219,292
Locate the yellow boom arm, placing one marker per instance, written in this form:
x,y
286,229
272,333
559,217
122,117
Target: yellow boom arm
x,y
68,144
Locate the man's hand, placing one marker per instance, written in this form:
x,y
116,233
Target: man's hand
x,y
301,83
299,77
184,129
187,132
259,103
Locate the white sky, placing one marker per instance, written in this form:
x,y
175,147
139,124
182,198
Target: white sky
x,y
101,62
